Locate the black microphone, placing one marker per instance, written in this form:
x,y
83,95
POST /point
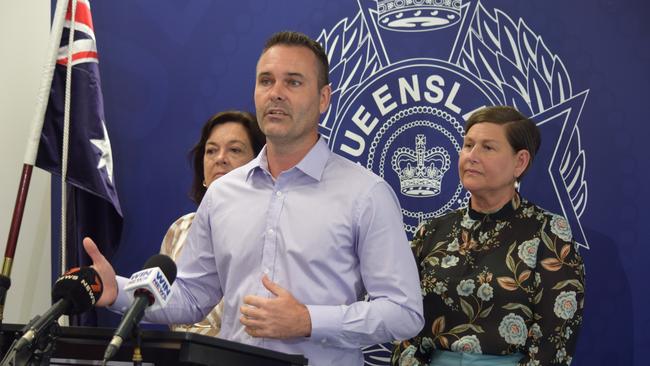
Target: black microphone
x,y
151,287
73,293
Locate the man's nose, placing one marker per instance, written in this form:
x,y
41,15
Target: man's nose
x,y
277,92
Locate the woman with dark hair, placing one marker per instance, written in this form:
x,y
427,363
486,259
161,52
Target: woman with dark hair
x,y
242,141
502,280
228,140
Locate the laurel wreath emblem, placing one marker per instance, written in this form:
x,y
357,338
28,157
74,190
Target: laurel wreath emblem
x,y
515,63
507,56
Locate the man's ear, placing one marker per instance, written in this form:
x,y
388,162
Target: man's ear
x,y
325,96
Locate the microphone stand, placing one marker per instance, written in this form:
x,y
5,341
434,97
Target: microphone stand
x,y
40,351
5,283
137,348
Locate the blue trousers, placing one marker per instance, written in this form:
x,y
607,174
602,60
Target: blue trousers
x,y
447,358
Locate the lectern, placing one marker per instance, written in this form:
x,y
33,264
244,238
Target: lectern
x,y
86,345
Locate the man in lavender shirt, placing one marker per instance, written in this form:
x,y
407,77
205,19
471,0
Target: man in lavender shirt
x,y
295,239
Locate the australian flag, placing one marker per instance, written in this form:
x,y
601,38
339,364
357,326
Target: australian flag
x,y
93,206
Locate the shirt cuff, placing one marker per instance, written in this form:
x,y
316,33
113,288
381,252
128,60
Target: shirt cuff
x,y
124,299
326,322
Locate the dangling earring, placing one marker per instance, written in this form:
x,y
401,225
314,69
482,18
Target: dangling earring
x,y
517,185
205,185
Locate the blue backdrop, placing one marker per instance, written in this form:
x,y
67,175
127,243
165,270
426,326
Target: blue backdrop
x,y
580,67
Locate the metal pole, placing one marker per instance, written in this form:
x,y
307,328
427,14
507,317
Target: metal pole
x,y
14,230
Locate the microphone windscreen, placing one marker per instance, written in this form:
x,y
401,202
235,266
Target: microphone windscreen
x,y
166,265
82,287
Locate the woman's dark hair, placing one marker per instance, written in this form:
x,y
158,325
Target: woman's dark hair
x,y
256,137
522,133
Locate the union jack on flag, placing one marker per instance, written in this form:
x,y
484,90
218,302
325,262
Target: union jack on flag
x,y
93,206
84,48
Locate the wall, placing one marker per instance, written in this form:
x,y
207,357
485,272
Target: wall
x,y
165,72
24,28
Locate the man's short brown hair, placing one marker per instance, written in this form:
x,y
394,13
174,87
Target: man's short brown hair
x,y
289,38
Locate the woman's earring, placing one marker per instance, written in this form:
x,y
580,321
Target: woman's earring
x,y
205,185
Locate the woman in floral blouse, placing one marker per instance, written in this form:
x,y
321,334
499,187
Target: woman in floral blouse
x,y
502,280
228,140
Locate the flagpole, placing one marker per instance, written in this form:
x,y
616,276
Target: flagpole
x,y
66,137
46,82
31,151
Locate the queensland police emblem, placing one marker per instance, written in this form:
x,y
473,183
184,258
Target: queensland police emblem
x,y
405,76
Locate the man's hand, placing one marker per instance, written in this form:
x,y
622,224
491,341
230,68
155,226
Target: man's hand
x,y
279,317
105,271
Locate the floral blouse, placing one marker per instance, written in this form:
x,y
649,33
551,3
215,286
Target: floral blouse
x,y
500,283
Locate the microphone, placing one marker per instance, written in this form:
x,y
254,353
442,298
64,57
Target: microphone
x,y
73,293
151,287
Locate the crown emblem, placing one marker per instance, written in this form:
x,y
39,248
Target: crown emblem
x,y
418,15
420,172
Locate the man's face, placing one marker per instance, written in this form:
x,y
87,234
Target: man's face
x,y
288,101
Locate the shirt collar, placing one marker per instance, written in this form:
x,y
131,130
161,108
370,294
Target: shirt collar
x,y
503,213
313,164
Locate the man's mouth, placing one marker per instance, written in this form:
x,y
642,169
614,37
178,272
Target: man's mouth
x,y
276,112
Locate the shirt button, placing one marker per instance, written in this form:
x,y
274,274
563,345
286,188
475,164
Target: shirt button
x,y
278,193
270,231
266,271
323,341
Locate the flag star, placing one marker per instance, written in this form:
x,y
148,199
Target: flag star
x,y
106,159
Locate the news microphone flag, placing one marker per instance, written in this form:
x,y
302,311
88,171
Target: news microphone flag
x,y
73,293
155,282
148,288
92,203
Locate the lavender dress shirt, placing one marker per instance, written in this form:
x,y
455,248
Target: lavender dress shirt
x,y
327,230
